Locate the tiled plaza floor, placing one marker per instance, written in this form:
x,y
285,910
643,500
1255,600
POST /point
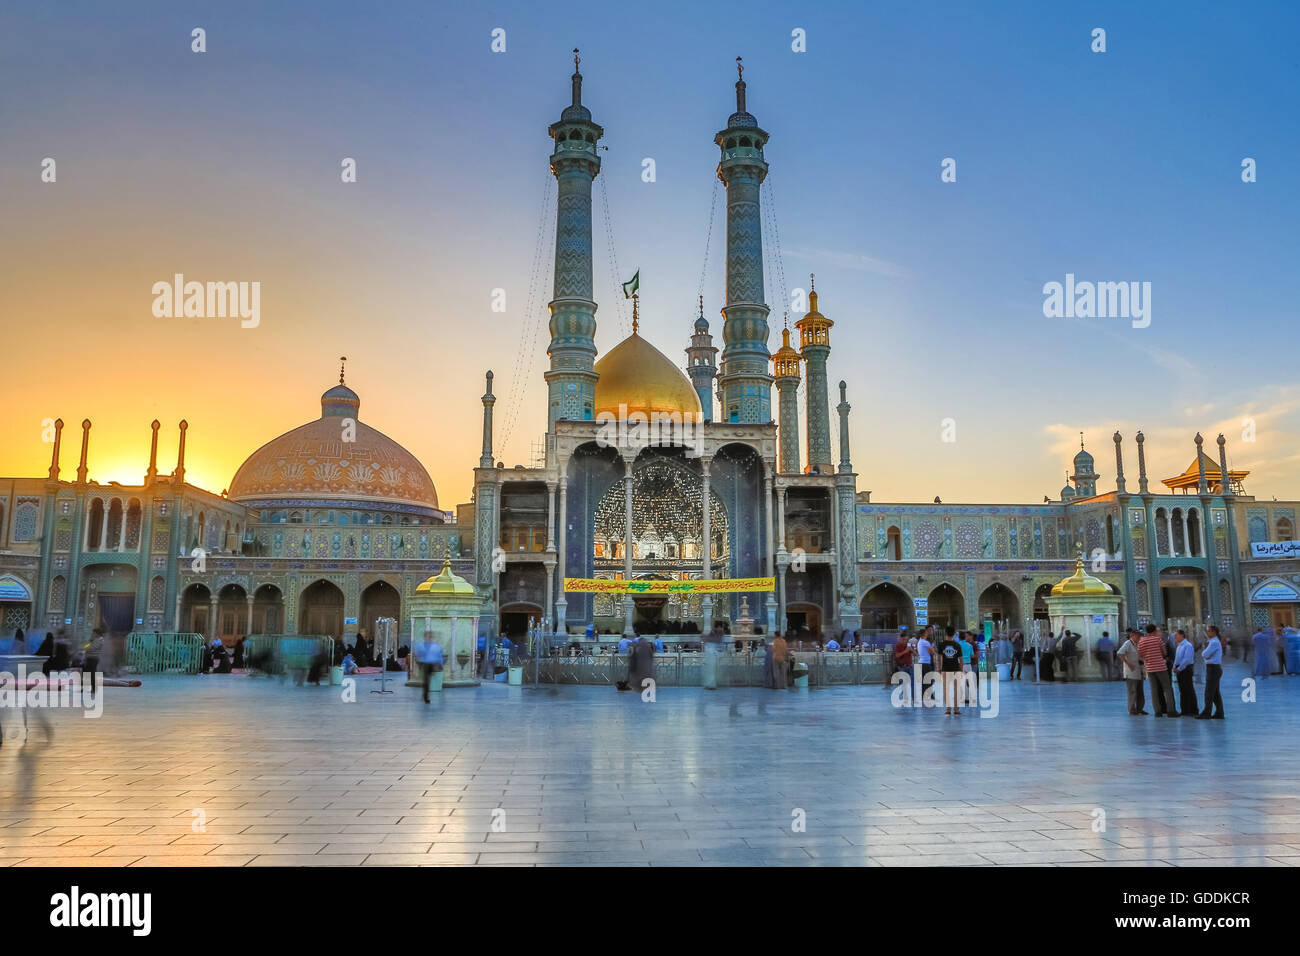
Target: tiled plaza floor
x,y
286,775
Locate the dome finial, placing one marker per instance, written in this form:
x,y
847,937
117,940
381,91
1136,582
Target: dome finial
x,y
701,306
577,79
740,85
636,319
1080,439
343,361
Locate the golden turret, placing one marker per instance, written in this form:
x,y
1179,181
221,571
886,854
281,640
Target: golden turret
x,y
785,360
814,328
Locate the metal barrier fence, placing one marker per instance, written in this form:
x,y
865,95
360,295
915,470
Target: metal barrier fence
x,y
274,653
153,652
686,668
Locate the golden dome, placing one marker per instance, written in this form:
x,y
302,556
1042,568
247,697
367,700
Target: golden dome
x,y
447,582
638,376
1081,582
313,465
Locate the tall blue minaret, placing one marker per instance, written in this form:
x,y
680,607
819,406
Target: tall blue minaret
x,y
745,383
815,344
701,363
571,380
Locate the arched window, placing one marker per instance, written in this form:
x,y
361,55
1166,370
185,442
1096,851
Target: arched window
x,y
25,521
1285,529
95,526
894,546
58,594
1258,528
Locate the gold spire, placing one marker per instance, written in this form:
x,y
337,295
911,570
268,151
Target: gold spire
x,y
343,361
1081,582
814,328
636,320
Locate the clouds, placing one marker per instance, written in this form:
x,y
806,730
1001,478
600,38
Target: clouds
x,y
1259,429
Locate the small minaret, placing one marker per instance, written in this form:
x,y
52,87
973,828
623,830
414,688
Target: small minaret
x,y
785,371
1142,464
846,466
744,381
85,449
701,363
152,473
1201,487
571,380
54,455
179,473
815,344
1084,477
1225,483
485,459
1119,466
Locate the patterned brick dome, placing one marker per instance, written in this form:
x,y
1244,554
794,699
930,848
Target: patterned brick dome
x,y
313,465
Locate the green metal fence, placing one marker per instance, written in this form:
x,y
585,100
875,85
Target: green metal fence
x,y
153,652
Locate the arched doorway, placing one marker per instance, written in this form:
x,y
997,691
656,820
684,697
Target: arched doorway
x,y
321,610
1183,593
380,600
804,615
999,604
268,610
232,614
515,618
886,608
196,601
1040,602
946,607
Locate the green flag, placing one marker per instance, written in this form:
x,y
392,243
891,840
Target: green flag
x,y
630,287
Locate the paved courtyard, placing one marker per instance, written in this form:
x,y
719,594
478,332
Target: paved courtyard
x,y
222,771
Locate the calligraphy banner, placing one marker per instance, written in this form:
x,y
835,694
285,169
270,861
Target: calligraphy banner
x,y
713,586
1274,549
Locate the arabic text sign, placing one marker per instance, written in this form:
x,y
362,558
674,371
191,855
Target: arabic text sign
x,y
715,586
1275,549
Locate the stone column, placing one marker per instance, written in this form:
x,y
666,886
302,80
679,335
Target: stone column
x,y
771,559
628,606
780,519
248,630
550,516
706,545
561,605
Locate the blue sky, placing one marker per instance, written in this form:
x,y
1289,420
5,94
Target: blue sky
x,y
1115,166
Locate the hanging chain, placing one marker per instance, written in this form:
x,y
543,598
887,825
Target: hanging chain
x,y
530,326
612,257
708,238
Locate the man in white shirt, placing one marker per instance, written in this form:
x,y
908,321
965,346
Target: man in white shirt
x,y
1128,656
1183,670
924,651
1213,656
429,653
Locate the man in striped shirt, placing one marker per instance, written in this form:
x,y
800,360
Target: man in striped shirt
x,y
1152,651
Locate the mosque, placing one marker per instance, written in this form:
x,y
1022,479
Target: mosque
x,y
736,511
